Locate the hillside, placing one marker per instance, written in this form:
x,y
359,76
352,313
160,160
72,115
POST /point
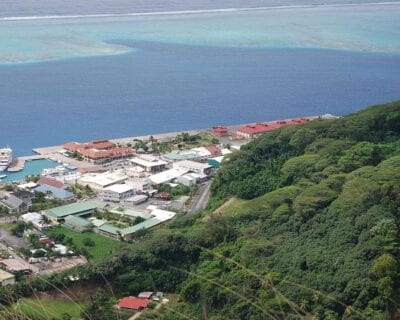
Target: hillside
x,y
303,223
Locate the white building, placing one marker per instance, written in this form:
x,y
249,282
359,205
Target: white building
x,y
36,219
167,176
193,166
99,181
149,163
116,193
189,179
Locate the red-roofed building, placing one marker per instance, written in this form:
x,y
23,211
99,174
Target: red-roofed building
x,y
252,131
133,303
103,156
220,131
215,151
50,182
100,144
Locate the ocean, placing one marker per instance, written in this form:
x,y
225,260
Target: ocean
x,y
87,77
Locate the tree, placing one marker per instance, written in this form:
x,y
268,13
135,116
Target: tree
x,y
88,242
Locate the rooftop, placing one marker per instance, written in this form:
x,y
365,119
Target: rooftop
x,y
74,208
119,188
167,175
56,192
4,275
133,303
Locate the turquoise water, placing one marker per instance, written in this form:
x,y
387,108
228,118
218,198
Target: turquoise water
x,y
31,167
363,28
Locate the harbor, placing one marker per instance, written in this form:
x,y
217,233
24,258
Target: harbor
x,y
53,156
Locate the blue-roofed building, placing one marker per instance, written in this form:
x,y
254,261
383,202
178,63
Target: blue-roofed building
x,y
56,193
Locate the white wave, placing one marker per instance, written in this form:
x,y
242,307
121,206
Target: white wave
x,y
161,13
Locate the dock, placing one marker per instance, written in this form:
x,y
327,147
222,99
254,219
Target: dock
x,y
19,163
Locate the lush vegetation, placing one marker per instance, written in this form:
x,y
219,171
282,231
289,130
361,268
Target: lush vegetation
x,y
304,222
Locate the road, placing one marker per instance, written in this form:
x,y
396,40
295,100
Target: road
x,y
202,198
12,240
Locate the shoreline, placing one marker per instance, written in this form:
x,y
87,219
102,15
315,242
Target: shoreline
x,y
52,152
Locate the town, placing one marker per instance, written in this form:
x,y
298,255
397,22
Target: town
x,y
105,192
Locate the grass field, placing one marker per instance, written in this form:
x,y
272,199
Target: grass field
x,y
100,250
48,309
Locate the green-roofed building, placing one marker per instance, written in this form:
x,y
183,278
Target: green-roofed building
x,y
76,209
77,223
109,230
127,233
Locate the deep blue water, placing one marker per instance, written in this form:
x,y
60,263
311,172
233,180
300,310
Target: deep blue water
x,y
169,87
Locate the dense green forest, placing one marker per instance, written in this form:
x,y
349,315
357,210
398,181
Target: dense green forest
x,y
303,223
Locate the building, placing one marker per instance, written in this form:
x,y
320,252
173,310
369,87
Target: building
x,y
188,179
36,219
99,151
157,217
14,204
193,166
77,209
14,265
252,131
99,181
149,163
215,162
168,175
145,294
220,131
116,193
136,199
55,193
132,303
50,182
178,155
25,195
77,223
6,278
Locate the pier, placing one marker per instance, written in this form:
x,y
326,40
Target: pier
x,y
19,163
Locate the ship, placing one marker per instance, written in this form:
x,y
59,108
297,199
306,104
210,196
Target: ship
x,y
5,158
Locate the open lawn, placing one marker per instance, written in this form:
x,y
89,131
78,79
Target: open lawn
x,y
102,246
49,309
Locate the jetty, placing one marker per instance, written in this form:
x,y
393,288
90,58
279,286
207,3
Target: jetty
x,y
19,163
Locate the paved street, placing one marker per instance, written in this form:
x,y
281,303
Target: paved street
x,y
201,199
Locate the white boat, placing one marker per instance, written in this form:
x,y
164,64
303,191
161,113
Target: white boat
x,y
5,158
59,170
2,176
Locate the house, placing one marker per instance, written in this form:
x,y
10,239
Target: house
x,y
132,303
36,219
14,204
145,294
56,193
6,278
25,196
50,182
116,193
220,131
14,265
